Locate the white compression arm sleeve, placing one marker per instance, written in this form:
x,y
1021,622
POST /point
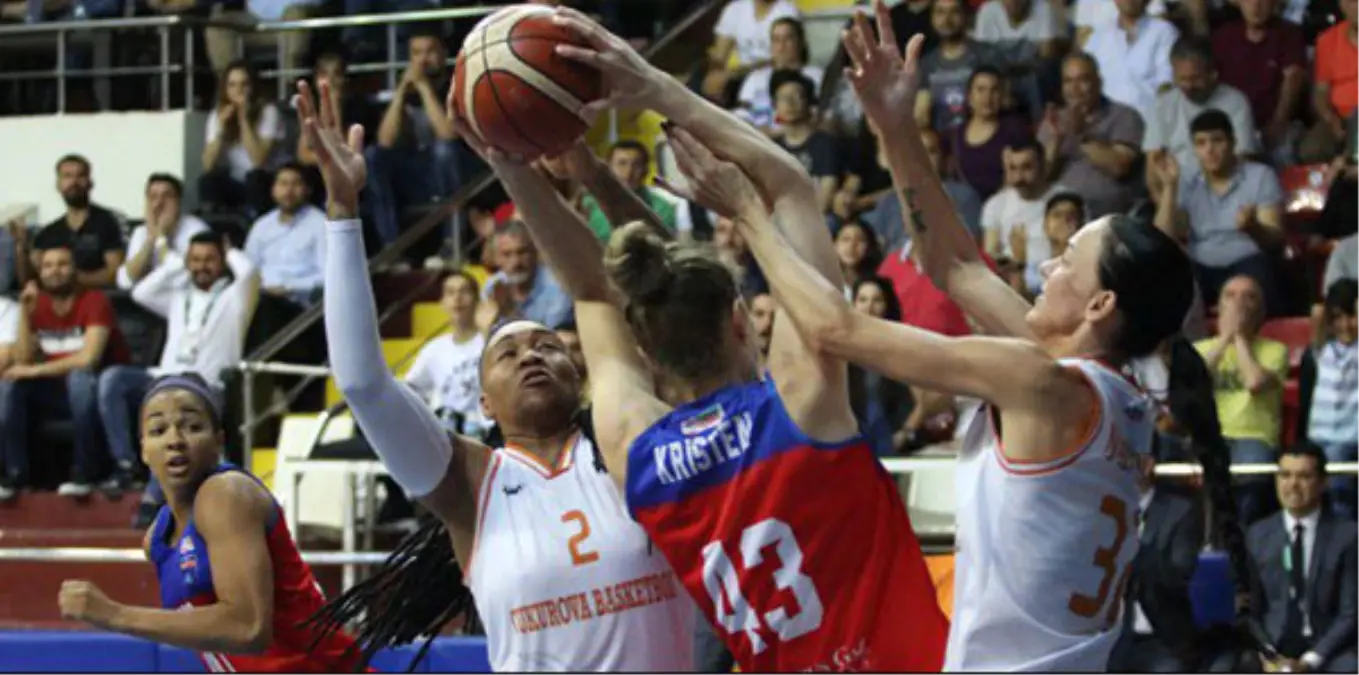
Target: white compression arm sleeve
x,y
402,429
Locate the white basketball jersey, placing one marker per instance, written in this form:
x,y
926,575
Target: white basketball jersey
x,y
564,579
1044,548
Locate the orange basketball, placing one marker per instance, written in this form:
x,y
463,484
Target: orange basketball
x,y
513,88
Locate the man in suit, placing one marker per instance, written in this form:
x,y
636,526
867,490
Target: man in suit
x,y
1158,620
1304,588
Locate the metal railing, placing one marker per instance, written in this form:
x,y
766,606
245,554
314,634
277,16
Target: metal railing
x,y
12,39
258,360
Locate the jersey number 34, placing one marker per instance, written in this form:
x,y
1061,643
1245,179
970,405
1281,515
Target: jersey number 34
x,y
723,582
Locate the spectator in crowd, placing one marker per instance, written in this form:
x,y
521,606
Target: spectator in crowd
x,y
9,331
794,105
946,71
1013,218
91,232
866,179
524,287
332,68
1029,34
447,370
787,51
1343,262
570,338
1265,57
880,404
743,30
1158,617
242,139
843,113
1335,87
1133,54
415,159
1304,591
1093,143
1196,91
1333,417
1248,377
1228,211
206,294
923,305
733,251
165,224
763,309
859,252
1086,14
886,215
977,146
629,161
1064,214
221,42
287,244
67,335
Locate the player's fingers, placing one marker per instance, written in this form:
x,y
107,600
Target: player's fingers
x,y
589,57
863,35
329,119
887,34
356,137
698,152
581,25
913,49
324,156
303,100
855,49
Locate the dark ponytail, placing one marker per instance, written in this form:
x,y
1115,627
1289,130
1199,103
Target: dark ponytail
x,y
1192,405
416,592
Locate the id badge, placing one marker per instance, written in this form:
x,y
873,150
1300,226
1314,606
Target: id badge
x,y
188,347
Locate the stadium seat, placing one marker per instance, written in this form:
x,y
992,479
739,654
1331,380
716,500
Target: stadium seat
x,y
931,500
297,437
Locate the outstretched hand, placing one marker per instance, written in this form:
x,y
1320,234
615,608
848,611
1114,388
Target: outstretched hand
x,y
716,184
629,80
885,81
339,158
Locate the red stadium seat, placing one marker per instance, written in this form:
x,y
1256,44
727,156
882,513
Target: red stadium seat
x,y
1294,331
1305,187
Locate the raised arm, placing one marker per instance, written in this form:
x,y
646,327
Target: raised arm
x,y
623,397
441,470
887,84
783,184
619,204
1010,373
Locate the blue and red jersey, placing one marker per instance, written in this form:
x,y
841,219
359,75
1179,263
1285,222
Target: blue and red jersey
x,y
185,575
799,552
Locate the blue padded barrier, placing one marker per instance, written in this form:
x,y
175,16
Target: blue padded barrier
x,y
1210,591
78,651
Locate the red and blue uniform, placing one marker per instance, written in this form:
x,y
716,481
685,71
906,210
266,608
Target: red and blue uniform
x,y
185,575
799,552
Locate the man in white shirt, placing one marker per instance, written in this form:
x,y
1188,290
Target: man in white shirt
x,y
1028,34
164,221
206,296
1012,219
447,371
743,28
1305,595
1133,53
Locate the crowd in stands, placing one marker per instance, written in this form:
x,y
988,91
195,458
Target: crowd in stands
x,y
1204,118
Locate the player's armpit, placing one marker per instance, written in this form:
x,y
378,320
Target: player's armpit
x,y
454,500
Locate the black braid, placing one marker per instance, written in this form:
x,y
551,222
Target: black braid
x,y
1191,402
414,593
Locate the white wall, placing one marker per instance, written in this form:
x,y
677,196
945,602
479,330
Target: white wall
x,y
123,148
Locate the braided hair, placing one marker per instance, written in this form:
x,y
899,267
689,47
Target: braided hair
x,y
1191,402
415,592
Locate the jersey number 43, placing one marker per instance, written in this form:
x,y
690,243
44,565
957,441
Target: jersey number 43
x,y
724,586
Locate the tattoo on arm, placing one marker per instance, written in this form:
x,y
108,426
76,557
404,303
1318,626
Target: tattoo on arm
x,y
908,201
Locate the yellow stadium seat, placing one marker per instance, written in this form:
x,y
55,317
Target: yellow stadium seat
x,y
262,461
807,6
643,127
428,319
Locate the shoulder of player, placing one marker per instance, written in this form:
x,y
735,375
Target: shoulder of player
x,y
229,497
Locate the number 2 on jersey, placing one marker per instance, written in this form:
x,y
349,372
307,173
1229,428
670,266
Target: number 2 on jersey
x,y
579,557
1106,558
721,580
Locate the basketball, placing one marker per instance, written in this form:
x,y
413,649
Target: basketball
x,y
515,91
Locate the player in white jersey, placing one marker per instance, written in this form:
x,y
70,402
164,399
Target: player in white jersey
x,y
1047,521
562,578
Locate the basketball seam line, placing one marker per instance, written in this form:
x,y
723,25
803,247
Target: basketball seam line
x,y
487,72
